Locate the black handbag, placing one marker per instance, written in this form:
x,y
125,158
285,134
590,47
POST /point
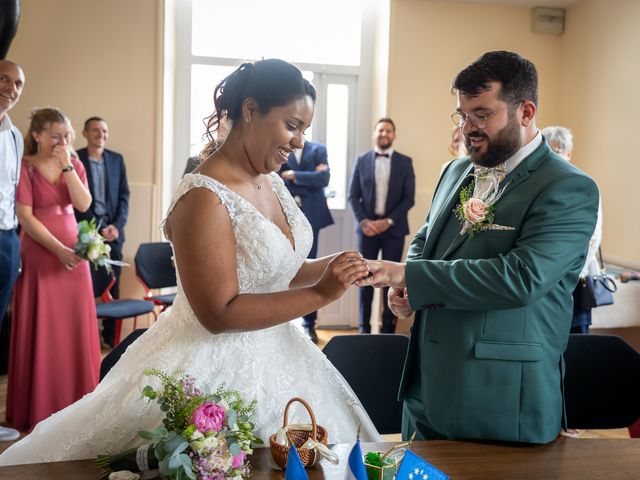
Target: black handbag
x,y
595,290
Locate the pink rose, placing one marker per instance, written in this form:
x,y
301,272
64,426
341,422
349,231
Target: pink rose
x,y
238,459
475,210
208,417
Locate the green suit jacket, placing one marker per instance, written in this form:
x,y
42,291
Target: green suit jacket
x,y
493,311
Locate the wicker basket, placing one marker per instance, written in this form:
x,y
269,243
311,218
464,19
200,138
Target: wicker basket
x,y
308,457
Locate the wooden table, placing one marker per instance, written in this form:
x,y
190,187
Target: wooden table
x,y
579,459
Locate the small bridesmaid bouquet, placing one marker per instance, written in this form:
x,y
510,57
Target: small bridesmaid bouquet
x,y
91,246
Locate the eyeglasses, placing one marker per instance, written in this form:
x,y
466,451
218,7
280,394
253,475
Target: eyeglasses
x,y
478,119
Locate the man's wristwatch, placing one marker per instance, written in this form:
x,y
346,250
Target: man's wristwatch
x,y
68,168
391,222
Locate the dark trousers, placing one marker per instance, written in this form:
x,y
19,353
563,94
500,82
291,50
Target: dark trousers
x,y
391,250
309,320
581,319
109,326
9,265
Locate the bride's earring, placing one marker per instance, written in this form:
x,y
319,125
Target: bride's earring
x,y
248,119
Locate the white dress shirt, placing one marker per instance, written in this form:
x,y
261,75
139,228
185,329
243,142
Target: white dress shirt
x,y
382,173
11,151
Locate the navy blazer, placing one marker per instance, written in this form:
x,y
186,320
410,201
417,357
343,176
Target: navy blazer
x,y
117,190
309,184
400,197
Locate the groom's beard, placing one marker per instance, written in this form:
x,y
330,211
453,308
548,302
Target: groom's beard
x,y
500,148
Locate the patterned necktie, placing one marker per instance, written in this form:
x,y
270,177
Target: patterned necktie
x,y
499,171
487,178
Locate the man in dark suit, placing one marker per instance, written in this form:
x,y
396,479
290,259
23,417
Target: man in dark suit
x,y
107,178
491,272
305,174
381,193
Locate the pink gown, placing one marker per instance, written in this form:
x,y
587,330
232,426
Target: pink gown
x,y
55,352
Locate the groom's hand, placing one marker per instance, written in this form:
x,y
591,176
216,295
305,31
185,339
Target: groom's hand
x,y
398,301
384,274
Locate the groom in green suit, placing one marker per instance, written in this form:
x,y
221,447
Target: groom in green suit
x,y
491,272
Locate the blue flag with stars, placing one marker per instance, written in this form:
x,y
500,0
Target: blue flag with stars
x,y
295,470
415,468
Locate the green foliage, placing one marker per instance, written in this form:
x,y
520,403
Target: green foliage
x,y
373,458
465,194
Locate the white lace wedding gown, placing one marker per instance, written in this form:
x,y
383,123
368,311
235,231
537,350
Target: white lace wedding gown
x,y
270,365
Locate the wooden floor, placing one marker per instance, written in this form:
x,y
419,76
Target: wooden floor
x,y
324,336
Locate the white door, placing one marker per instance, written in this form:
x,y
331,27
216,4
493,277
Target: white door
x,y
334,126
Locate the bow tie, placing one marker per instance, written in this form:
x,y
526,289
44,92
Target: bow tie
x,y
382,155
498,172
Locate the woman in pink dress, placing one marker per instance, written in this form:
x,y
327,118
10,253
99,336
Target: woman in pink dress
x,y
55,352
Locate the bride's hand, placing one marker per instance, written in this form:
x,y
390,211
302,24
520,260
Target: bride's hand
x,y
341,272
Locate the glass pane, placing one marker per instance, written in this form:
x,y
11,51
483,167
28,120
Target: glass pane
x,y
307,75
204,79
309,31
337,143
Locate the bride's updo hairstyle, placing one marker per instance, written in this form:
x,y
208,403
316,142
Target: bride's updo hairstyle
x,y
271,83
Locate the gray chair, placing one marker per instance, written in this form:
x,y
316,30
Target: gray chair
x,y
602,382
372,365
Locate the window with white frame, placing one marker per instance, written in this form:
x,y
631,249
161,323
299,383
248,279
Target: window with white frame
x,y
322,38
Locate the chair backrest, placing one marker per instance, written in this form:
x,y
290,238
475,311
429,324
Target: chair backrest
x,y
114,355
602,382
154,266
102,282
372,365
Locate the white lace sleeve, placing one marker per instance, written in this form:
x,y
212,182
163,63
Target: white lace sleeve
x,y
196,180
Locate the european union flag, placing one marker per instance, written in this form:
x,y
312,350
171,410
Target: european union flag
x,y
295,469
415,468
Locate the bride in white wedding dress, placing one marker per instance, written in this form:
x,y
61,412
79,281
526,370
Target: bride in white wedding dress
x,y
240,246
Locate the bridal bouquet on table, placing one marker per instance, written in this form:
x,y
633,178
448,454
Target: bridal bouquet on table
x,y
91,246
204,436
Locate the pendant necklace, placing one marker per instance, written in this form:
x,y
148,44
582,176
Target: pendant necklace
x,y
233,167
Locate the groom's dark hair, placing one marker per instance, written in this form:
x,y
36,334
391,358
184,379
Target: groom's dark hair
x,y
517,75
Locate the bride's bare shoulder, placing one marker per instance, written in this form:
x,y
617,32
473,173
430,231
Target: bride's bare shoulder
x,y
194,210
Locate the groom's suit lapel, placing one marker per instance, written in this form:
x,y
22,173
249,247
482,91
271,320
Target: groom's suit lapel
x,y
445,210
515,178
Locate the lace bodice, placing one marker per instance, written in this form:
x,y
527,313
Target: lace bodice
x,y
266,260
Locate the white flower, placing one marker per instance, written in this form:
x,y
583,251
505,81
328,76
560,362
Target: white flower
x,y
93,253
196,435
211,442
197,445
